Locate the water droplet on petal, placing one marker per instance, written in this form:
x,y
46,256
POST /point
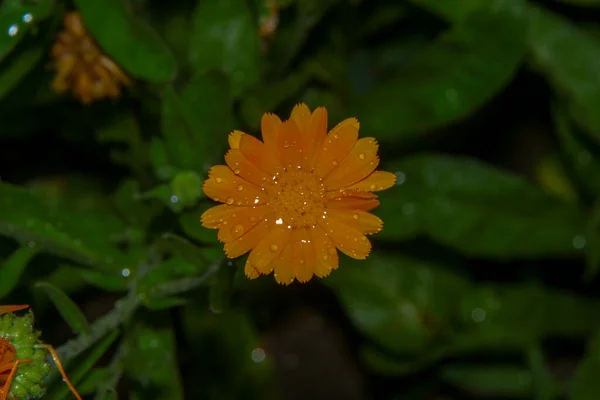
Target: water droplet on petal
x,y
238,229
229,200
325,257
219,180
334,162
362,156
355,216
274,248
236,171
240,188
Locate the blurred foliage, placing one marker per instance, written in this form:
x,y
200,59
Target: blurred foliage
x,y
483,283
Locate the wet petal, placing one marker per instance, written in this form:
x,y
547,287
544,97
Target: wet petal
x,y
284,273
353,203
361,161
224,186
244,168
317,131
326,256
246,242
290,145
240,222
337,145
234,139
377,181
215,216
347,239
258,154
303,262
270,124
362,221
267,251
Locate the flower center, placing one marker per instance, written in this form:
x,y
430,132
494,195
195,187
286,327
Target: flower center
x,y
297,198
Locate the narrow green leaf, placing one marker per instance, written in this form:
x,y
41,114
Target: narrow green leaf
x,y
111,281
451,79
478,210
225,37
221,288
67,308
190,223
490,380
186,250
570,59
13,267
84,366
544,385
160,160
16,19
128,40
15,68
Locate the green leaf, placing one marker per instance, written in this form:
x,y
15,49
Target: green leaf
x,y
67,308
477,209
150,360
84,365
585,384
16,19
544,385
128,203
569,58
452,78
225,37
132,43
13,267
453,10
490,380
190,223
81,236
160,160
186,250
164,193
111,281
399,302
17,66
187,187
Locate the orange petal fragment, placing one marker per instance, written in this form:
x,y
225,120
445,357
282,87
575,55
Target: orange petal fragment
x,y
270,124
284,272
359,164
214,217
326,256
244,168
9,309
260,261
337,145
290,145
224,186
353,203
362,221
347,239
377,181
317,132
303,262
234,139
258,154
247,241
244,219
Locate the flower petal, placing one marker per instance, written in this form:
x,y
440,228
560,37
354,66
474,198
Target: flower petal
x,y
317,132
267,251
347,239
303,262
290,145
337,145
244,168
361,161
270,124
244,219
377,181
214,217
224,186
247,241
362,221
284,273
301,114
234,139
326,256
258,154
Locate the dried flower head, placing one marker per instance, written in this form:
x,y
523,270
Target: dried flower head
x,y
82,67
296,197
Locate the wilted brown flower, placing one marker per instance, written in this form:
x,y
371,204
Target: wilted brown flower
x,y
82,67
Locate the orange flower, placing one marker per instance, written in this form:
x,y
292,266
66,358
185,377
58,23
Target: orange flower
x,y
82,66
296,197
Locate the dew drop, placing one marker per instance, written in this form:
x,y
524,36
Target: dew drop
x,y
240,188
219,180
301,262
325,257
579,242
355,216
13,30
31,244
27,18
362,156
236,171
229,200
274,248
334,162
335,136
238,229
372,188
